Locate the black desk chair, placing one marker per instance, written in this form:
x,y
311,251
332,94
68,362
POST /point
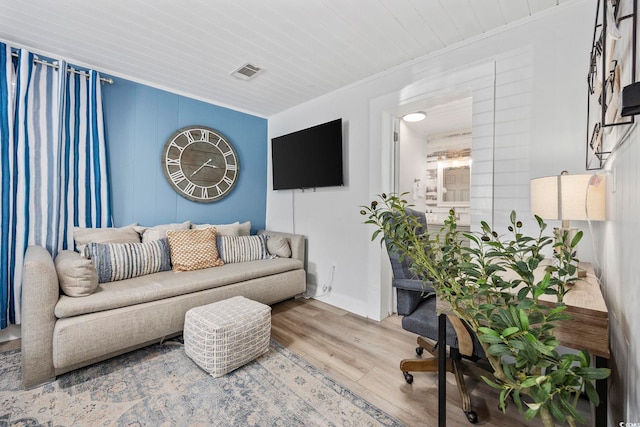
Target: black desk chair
x,y
416,302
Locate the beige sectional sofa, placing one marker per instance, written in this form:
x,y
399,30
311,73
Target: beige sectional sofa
x,y
62,333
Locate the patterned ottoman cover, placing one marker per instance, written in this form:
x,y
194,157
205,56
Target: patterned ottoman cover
x,y
225,335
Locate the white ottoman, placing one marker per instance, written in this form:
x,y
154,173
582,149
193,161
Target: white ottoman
x,y
225,335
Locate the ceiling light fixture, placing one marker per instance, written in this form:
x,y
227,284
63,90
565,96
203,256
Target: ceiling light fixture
x,y
414,117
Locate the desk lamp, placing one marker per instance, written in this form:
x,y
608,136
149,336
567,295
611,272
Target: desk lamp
x,y
569,198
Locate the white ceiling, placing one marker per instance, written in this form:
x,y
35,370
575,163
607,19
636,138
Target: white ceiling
x,y
307,48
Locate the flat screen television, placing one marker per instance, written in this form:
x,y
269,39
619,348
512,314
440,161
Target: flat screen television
x,y
309,158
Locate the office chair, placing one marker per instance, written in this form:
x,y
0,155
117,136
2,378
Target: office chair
x,y
416,302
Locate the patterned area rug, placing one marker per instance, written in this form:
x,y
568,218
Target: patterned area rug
x,y
160,386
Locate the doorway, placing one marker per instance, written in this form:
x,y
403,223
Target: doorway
x,y
434,157
477,83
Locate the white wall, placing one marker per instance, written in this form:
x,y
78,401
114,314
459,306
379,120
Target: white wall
x,y
618,253
413,165
616,242
538,128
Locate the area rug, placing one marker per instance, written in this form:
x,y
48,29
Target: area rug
x,y
160,386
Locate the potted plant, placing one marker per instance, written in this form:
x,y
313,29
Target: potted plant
x,y
490,285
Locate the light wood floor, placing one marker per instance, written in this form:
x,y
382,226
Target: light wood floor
x,y
9,345
364,356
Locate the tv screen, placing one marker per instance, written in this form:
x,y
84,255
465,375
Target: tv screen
x,y
308,158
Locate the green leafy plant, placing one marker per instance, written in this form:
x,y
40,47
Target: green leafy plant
x,y
490,285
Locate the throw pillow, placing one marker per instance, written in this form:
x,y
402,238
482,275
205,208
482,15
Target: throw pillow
x,y
119,261
149,234
242,248
76,274
193,249
245,229
234,229
82,235
278,246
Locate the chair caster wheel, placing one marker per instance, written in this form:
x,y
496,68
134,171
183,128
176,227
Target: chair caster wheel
x,y
472,417
408,377
419,351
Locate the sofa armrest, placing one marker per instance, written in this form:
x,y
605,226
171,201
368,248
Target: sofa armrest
x,y
296,242
40,293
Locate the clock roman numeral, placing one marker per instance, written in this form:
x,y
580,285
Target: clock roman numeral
x,y
177,177
175,145
232,167
173,162
189,188
227,180
204,135
190,137
227,153
205,192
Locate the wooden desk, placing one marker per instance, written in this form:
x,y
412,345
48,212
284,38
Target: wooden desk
x,y
587,330
589,327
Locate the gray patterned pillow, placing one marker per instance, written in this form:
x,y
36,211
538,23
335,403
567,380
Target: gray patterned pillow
x,y
242,248
119,261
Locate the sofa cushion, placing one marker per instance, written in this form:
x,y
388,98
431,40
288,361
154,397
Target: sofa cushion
x,y
82,235
193,249
278,246
157,232
167,284
76,274
235,229
242,248
119,261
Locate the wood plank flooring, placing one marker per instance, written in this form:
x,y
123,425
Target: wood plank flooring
x,y
364,356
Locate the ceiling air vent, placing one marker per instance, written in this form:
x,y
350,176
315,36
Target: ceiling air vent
x,y
246,72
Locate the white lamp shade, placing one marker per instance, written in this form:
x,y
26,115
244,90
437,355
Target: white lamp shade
x,y
569,197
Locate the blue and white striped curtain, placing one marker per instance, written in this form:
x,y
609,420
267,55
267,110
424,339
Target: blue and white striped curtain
x,y
53,171
84,178
6,179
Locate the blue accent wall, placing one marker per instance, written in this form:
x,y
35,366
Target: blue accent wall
x,y
138,121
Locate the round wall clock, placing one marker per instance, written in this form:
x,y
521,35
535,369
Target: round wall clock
x,y
200,164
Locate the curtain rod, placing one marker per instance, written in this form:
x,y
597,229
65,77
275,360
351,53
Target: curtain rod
x,y
69,70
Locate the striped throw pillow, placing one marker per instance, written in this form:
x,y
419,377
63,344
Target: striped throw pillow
x,y
242,248
119,261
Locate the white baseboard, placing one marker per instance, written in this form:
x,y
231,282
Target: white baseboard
x,y
11,333
350,304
